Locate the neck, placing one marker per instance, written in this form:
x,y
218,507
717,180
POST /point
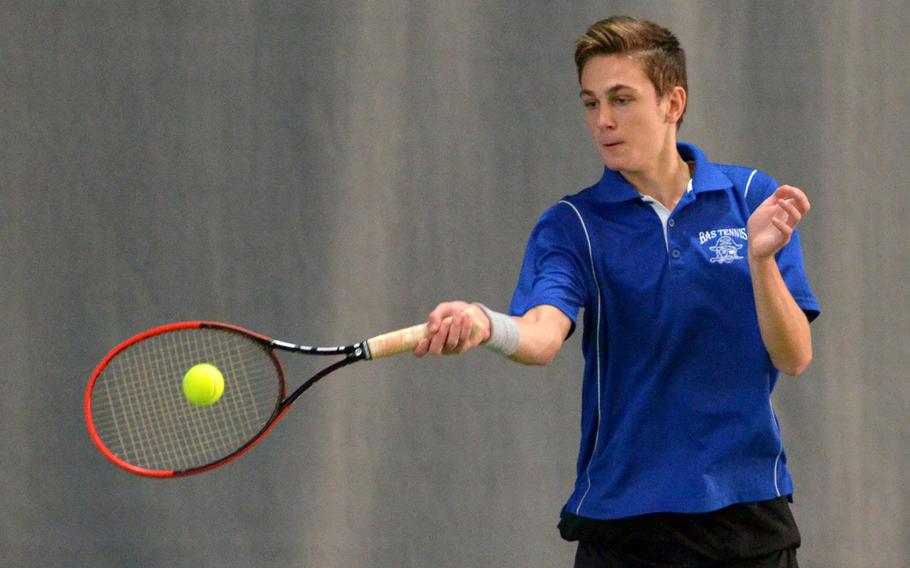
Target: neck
x,y
664,180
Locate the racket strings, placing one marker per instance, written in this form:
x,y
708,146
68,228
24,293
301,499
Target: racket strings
x,y
141,415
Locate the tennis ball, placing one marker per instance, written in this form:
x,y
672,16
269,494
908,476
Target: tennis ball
x,y
203,384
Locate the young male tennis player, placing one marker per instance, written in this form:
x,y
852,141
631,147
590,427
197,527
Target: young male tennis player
x,y
691,278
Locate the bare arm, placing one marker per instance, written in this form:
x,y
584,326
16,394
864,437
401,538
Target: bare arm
x,y
543,330
784,327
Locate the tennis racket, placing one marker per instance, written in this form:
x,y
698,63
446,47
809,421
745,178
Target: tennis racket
x,y
137,414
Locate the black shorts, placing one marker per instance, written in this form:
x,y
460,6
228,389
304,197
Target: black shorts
x,y
758,535
600,556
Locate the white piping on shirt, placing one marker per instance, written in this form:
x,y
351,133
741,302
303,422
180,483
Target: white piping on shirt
x,y
780,450
748,183
597,335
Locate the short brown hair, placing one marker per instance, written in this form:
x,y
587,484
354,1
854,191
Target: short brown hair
x,y
663,59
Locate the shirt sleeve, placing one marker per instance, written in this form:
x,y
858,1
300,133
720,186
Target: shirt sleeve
x,y
789,258
552,270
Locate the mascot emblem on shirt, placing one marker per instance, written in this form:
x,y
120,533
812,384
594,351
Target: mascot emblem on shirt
x,y
725,250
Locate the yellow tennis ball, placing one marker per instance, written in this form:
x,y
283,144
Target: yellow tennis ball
x,y
203,384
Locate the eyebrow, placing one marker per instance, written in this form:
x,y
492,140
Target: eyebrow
x,y
610,91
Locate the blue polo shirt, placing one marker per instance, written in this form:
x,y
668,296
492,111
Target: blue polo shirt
x,y
676,402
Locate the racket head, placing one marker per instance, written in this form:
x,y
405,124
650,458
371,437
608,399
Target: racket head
x,y
139,419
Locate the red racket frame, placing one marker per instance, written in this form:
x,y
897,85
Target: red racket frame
x,y
280,408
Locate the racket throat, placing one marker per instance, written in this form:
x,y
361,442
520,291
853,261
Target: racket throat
x,y
351,358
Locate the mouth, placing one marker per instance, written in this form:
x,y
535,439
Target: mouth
x,y
611,145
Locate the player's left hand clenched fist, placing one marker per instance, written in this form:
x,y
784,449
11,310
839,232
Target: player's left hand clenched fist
x,y
773,222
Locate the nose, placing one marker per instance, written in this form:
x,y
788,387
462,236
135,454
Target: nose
x,y
605,118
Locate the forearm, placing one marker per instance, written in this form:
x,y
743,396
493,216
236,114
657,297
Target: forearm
x,y
532,339
784,327
539,344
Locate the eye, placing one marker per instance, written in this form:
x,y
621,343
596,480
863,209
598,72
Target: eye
x,y
622,101
590,104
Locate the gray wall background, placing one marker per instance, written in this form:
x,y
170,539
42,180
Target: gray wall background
x,y
325,171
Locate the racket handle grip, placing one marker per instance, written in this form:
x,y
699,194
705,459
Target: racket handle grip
x,y
395,342
399,341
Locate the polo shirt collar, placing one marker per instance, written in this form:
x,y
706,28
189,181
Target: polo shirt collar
x,y
613,187
708,177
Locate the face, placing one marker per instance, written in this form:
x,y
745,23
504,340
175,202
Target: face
x,y
630,124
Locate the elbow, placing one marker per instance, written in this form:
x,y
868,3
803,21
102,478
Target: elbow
x,y
549,352
547,358
793,357
540,357
795,366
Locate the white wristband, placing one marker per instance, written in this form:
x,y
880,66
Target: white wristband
x,y
504,333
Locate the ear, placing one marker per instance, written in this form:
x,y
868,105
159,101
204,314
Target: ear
x,y
677,104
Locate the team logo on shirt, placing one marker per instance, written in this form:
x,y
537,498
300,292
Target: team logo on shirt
x,y
725,248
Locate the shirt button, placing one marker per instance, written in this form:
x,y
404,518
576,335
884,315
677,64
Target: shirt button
x,y
671,223
675,253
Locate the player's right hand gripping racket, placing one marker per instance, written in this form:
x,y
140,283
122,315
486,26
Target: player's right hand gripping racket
x,y
140,419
